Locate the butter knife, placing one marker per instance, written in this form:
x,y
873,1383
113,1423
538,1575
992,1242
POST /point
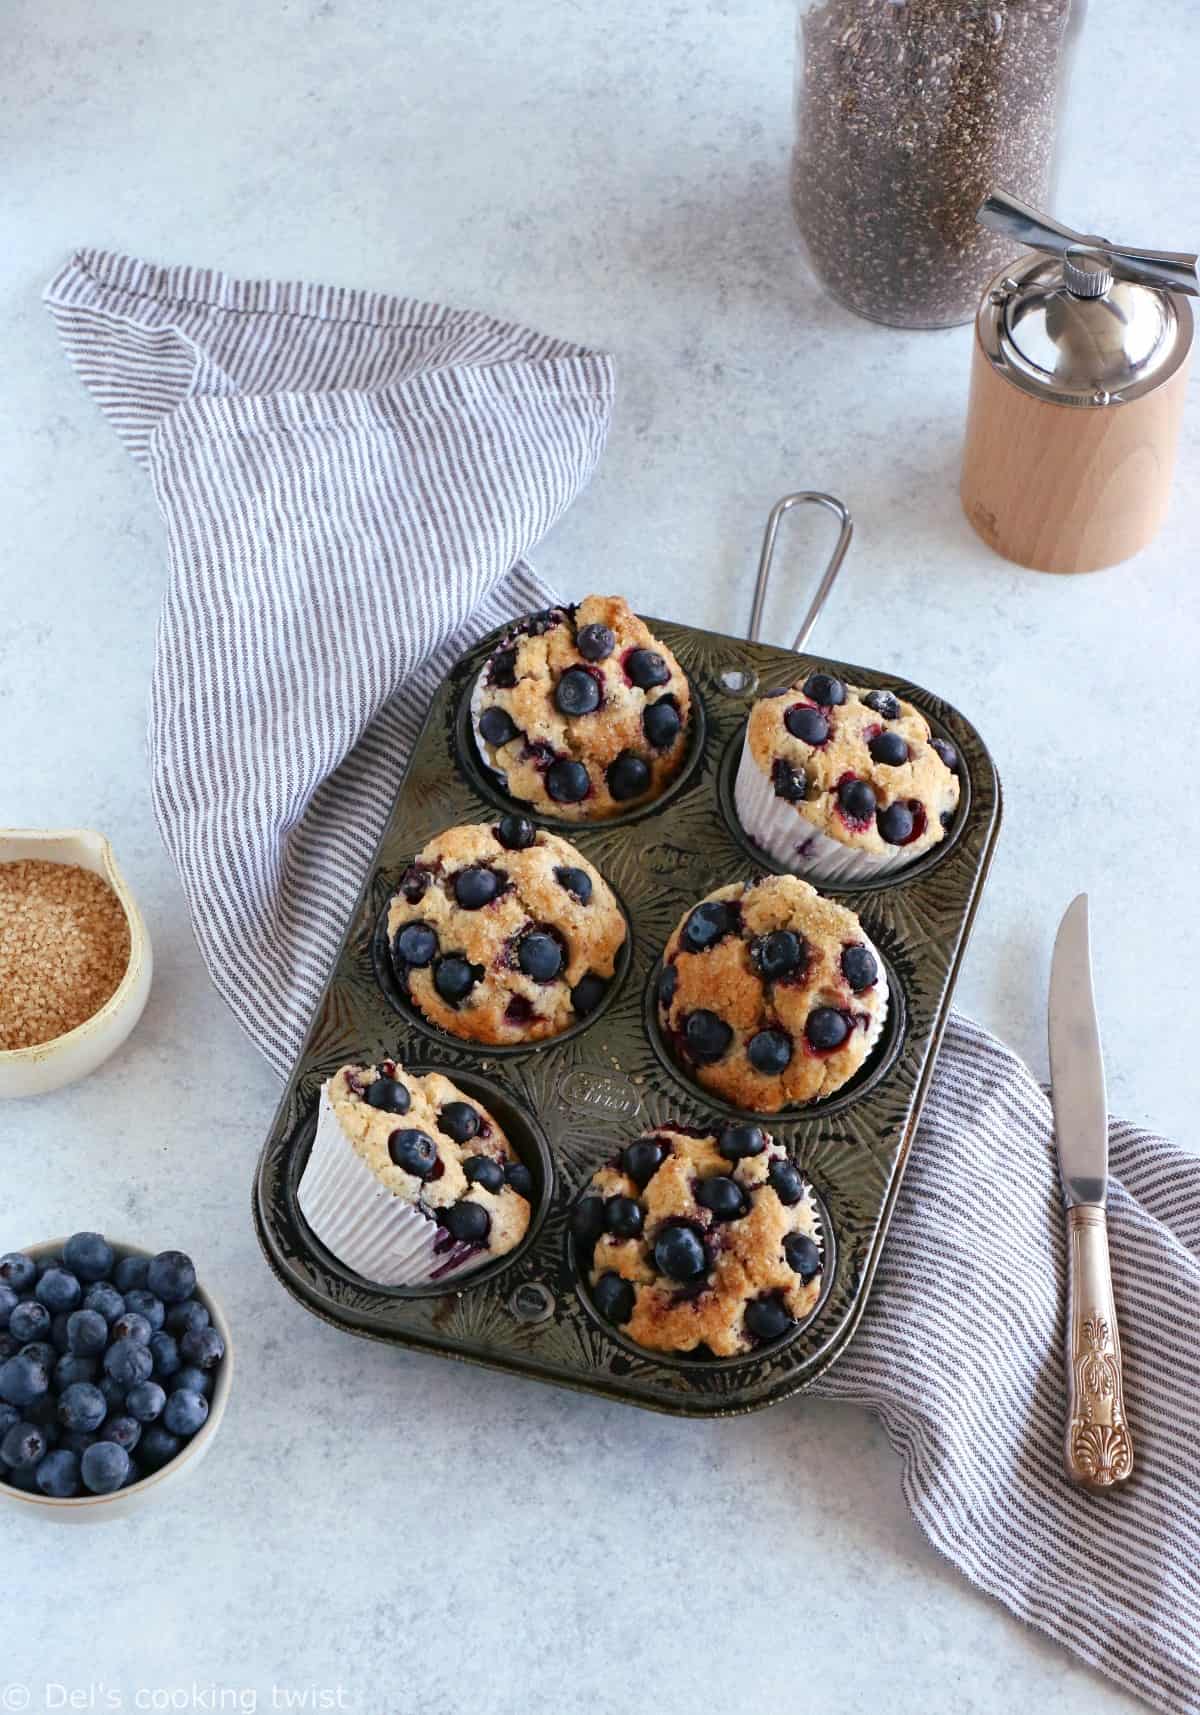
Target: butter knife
x,y
1099,1452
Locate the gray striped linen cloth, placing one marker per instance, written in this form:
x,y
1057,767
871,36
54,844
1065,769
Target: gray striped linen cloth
x,y
350,483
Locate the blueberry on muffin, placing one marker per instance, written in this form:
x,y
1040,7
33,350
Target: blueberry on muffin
x,y
837,782
771,995
581,712
702,1243
504,934
410,1181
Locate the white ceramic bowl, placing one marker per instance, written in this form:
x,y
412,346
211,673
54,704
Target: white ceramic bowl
x,y
64,1059
91,1509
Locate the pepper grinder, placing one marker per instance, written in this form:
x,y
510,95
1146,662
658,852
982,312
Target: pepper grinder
x,y
1077,385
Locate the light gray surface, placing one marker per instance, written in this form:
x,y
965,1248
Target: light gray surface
x,y
423,1535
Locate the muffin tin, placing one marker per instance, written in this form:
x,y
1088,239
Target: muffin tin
x,y
570,1103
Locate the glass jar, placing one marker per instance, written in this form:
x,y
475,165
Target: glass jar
x,y
908,112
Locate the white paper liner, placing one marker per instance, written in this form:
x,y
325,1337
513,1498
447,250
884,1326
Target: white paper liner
x,y
791,840
477,706
368,1227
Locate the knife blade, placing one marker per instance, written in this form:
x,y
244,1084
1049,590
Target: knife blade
x,y
1098,1449
1077,1063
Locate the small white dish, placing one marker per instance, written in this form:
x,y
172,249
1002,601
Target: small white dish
x,y
91,1509
65,1059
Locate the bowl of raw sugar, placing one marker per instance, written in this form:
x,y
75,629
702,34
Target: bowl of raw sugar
x,y
75,960
115,1369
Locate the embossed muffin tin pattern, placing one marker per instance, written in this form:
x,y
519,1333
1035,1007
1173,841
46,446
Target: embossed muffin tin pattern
x,y
572,1102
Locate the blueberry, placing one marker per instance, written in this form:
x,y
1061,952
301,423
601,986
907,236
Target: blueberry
x,y
769,1052
132,1325
77,1441
577,882
125,1430
823,688
736,1142
454,977
668,982
171,1276
515,833
157,1447
146,1401
502,669
104,1467
58,1474
567,782
722,1197
642,1160
87,1333
131,1271
768,1318
203,1347
469,1223
58,1290
194,1380
540,956
8,1347
706,925
596,642
18,1271
8,1416
23,1447
71,1368
145,1303
497,727
661,722
857,799
896,824
185,1412
706,1036
414,883
628,777
520,1179
588,1218
460,1121
89,1256
46,1263
414,1151
679,1253
59,1337
787,1182
164,1349
389,1095
778,954
128,1363
807,724
883,703
105,1300
114,1394
414,945
82,1406
803,1256
24,1479
943,748
788,783
577,693
190,1314
613,1298
476,887
42,1352
29,1321
888,748
623,1217
826,1028
859,968
587,994
482,1170
646,668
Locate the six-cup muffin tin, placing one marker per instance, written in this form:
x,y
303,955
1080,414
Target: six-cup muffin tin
x,y
571,1103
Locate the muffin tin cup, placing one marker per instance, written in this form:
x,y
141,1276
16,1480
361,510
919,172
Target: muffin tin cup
x,y
609,1078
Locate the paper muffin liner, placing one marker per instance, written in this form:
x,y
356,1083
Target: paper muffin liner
x,y
366,1226
477,706
792,841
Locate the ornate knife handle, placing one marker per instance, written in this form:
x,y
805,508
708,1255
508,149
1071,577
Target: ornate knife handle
x,y
1099,1452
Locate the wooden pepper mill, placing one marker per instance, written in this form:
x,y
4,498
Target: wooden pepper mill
x,y
1077,385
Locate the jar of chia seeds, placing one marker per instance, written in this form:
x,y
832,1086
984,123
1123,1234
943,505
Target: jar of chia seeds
x,y
908,112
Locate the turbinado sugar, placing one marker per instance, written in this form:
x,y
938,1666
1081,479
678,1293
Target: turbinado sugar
x,y
64,947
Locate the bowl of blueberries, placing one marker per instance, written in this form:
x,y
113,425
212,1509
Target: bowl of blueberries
x,y
115,1368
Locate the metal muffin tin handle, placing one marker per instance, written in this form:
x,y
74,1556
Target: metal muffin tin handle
x,y
767,555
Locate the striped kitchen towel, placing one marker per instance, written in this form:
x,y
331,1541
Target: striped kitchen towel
x,y
350,484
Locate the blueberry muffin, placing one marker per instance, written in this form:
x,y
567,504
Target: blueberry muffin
x,y
836,782
409,1181
581,712
701,1243
770,994
504,934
